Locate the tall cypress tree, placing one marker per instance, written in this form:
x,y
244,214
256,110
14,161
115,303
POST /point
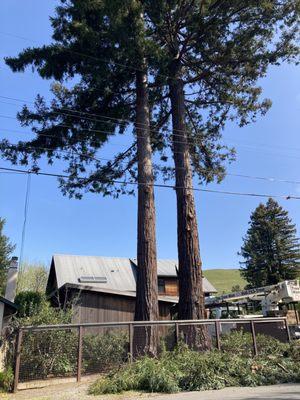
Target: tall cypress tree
x,y
271,250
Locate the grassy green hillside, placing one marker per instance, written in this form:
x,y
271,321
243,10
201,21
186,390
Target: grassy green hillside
x,y
224,279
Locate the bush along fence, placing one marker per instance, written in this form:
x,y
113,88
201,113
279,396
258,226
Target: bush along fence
x,y
71,351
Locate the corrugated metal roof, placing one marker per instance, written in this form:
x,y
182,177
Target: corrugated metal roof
x,y
208,287
119,272
165,267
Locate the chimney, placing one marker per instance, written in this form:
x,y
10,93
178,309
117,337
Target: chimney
x,y
12,277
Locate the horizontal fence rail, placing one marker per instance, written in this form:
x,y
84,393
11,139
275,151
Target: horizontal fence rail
x,y
73,350
147,323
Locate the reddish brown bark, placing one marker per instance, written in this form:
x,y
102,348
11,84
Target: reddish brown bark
x,y
146,309
191,298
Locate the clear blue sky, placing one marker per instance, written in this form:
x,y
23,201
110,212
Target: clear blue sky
x,y
103,226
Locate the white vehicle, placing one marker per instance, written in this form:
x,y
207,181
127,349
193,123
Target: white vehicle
x,y
270,296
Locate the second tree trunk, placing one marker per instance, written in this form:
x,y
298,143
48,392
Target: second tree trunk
x,y
191,297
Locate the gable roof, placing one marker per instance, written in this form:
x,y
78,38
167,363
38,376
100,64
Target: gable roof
x,y
119,273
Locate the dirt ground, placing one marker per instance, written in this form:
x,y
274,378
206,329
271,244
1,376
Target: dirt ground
x,y
72,391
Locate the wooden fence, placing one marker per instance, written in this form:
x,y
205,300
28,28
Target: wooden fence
x,y
73,347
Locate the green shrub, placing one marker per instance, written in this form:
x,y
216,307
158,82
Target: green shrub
x,y
48,353
104,350
187,370
6,380
43,353
28,303
239,342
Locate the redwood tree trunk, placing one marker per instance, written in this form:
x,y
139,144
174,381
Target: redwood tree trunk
x,y
191,298
146,308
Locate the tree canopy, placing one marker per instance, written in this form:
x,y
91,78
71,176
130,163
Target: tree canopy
x,y
271,249
32,277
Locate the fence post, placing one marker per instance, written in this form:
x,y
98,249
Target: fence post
x,y
130,327
254,338
288,333
296,314
79,353
176,332
18,359
217,328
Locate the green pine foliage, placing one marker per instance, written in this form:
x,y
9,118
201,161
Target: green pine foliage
x,y
221,48
187,370
6,249
271,249
93,98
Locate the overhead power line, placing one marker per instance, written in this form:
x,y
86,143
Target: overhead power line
x,y
185,140
72,151
26,205
264,178
248,147
108,133
190,141
106,119
286,197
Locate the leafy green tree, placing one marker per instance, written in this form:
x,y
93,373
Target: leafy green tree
x,y
32,277
6,249
271,250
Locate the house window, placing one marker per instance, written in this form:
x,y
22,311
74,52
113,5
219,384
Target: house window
x,y
161,286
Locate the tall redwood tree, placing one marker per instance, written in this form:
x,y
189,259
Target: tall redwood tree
x,y
103,45
213,52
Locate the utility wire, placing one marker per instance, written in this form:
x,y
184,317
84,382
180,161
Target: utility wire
x,y
269,179
263,178
248,147
187,143
286,197
193,142
100,117
187,140
26,205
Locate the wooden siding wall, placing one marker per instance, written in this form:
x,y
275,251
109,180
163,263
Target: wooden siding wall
x,y
100,307
171,287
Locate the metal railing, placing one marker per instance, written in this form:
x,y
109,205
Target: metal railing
x,y
76,349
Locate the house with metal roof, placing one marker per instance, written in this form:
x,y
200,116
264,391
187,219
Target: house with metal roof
x,y
105,287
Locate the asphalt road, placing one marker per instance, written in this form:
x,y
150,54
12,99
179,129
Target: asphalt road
x,y
79,392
